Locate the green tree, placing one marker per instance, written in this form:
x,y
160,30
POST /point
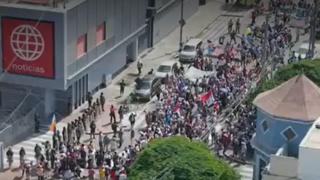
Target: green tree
x,y
311,68
176,158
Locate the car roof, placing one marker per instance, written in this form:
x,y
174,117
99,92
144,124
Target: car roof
x,y
168,63
193,42
304,46
148,77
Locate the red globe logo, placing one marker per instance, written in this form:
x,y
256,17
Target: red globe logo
x,y
27,42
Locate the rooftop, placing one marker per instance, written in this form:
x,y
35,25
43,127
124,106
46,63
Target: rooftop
x,y
297,99
312,138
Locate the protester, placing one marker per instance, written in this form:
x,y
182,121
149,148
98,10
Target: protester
x,y
9,156
102,101
139,67
89,98
112,114
122,85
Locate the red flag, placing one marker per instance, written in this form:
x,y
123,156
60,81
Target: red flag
x,y
205,97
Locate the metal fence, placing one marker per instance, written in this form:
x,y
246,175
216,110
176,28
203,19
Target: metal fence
x,y
17,129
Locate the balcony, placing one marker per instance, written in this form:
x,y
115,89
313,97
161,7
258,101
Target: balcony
x,y
281,166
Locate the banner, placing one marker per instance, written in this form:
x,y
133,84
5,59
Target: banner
x,y
28,47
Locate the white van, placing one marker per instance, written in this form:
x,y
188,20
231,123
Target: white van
x,y
167,67
189,50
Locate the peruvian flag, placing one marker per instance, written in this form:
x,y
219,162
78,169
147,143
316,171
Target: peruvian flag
x,y
207,98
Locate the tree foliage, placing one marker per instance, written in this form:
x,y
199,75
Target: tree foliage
x,y
310,68
176,158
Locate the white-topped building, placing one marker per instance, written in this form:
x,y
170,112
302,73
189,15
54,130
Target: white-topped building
x,y
309,154
305,167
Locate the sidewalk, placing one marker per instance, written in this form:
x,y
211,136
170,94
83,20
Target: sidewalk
x,y
196,26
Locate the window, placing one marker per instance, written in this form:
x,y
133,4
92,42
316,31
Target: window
x,y
265,126
82,46
289,134
101,33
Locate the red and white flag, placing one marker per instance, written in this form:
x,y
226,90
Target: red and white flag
x,y
207,98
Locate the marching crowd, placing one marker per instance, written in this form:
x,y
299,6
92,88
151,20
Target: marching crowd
x,y
183,108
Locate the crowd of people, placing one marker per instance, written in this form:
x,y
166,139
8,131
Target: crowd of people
x,y
183,108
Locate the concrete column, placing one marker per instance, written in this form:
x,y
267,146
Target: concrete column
x,y
136,49
2,157
49,102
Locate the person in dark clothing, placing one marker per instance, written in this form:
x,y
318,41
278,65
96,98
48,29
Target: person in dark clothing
x,y
102,101
78,134
10,157
253,17
22,154
139,67
233,37
47,150
120,112
238,26
132,119
230,25
112,114
36,123
84,121
120,134
89,98
52,157
64,134
92,129
221,40
83,156
122,85
114,127
37,151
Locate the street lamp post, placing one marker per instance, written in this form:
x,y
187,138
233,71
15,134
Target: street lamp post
x,y
313,29
265,41
182,23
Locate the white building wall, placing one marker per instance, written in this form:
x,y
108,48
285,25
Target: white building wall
x,y
309,163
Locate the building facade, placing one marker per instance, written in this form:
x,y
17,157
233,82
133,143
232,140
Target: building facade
x,y
53,52
284,116
79,46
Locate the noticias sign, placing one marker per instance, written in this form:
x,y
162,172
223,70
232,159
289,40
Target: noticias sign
x,y
28,47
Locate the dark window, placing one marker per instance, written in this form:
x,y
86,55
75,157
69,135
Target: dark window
x,y
265,126
76,95
289,134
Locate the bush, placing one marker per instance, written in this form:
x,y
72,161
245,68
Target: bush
x,y
176,158
311,68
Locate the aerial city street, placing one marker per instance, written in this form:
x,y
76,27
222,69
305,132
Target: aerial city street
x,y
160,89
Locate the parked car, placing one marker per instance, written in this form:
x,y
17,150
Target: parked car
x,y
189,50
302,51
147,87
165,68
